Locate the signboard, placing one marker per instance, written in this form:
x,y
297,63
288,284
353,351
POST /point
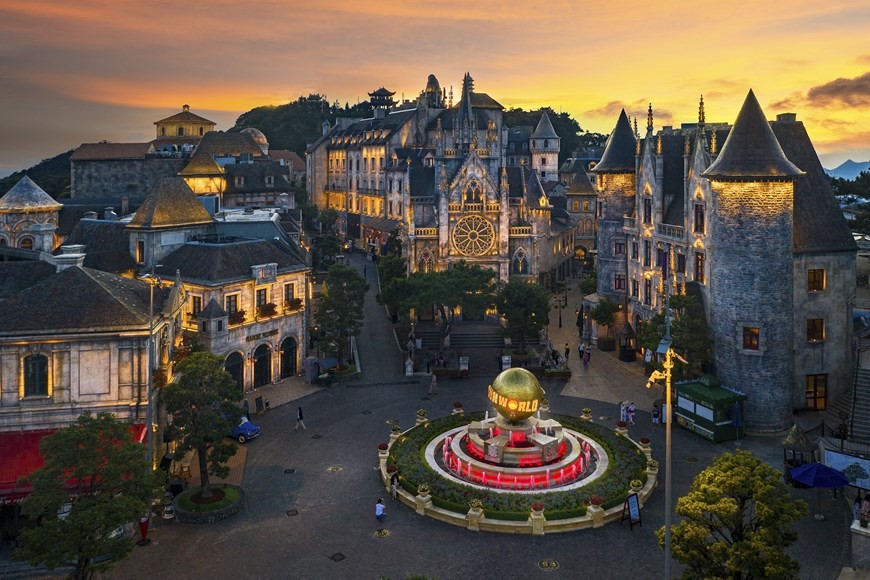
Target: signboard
x,y
463,363
505,362
631,511
856,469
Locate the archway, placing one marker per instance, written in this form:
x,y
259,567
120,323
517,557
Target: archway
x,y
288,357
235,366
262,365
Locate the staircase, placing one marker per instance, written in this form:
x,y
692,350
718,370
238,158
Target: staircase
x,y
860,406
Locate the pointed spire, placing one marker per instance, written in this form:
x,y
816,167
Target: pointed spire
x,y
504,186
751,150
659,144
686,146
713,145
545,129
619,152
26,195
442,179
649,119
701,119
636,132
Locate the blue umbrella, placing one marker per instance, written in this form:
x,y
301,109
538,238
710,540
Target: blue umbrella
x,y
818,475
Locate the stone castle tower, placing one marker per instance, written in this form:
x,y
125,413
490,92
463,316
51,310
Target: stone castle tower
x,y
616,184
751,271
544,147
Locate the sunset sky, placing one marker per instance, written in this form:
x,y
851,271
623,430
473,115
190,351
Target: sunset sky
x,y
84,71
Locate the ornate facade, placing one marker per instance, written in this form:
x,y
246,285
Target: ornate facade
x,y
753,228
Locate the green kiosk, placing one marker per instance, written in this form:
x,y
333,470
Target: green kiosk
x,y
709,410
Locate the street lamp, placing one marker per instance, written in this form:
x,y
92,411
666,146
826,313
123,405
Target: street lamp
x,y
665,350
149,411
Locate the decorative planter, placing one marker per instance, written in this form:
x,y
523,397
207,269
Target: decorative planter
x,y
421,420
473,517
587,415
394,435
537,520
652,471
458,411
424,502
622,431
597,513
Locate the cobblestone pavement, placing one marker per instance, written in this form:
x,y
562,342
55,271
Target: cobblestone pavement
x,y
311,495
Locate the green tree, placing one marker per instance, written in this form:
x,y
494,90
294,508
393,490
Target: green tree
x,y
459,288
203,403
604,313
393,245
327,217
689,332
96,470
390,269
328,247
340,310
588,284
525,306
736,522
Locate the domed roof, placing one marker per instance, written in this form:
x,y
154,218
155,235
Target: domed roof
x,y
27,196
256,135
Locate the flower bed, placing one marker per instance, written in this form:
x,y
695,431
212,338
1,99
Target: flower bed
x,y
627,462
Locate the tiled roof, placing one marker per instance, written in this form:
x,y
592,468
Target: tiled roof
x,y
185,117
17,276
202,163
170,203
545,129
107,245
27,196
219,263
106,150
221,144
212,310
79,299
255,174
291,158
619,152
751,150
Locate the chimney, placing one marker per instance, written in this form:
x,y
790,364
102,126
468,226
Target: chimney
x,y
71,255
125,205
90,215
109,214
786,118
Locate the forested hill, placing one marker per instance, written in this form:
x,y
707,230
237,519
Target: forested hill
x,y
52,175
294,125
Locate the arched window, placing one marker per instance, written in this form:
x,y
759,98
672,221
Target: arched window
x,y
520,264
473,193
426,263
26,243
200,131
36,376
2,241
181,131
162,131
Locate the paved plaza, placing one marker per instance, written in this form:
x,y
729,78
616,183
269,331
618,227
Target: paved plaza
x,y
311,495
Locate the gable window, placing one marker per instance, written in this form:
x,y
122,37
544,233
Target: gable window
x,y
699,218
815,329
699,268
815,280
36,376
232,303
751,336
647,210
816,392
240,181
270,181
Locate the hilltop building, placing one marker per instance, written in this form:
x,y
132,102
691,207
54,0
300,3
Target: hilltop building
x,y
454,180
743,216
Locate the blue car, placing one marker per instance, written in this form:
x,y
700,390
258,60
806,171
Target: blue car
x,y
245,431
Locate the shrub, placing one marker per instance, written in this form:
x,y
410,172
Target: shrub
x,y
395,429
636,483
537,506
587,411
596,500
652,464
423,488
475,504
421,412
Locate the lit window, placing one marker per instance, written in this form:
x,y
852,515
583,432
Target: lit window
x,y
647,211
816,392
751,336
585,206
196,305
815,280
815,329
699,218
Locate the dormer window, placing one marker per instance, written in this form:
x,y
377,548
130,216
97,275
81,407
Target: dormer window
x,y
240,181
270,181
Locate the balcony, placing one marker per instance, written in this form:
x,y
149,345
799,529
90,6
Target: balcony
x,y
479,207
677,233
629,223
236,317
426,232
267,310
293,305
520,231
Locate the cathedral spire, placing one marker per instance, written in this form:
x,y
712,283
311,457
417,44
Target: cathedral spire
x,y
636,132
504,180
649,119
701,119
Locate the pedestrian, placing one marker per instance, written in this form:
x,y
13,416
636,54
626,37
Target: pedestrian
x,y
656,417
567,351
631,410
364,271
580,348
246,407
856,508
623,410
589,350
865,507
394,484
586,358
380,509
433,385
299,420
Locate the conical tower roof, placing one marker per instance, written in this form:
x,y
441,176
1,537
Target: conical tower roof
x,y
545,129
619,153
751,151
170,203
27,196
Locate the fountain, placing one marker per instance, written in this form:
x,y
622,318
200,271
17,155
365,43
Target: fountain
x,y
516,450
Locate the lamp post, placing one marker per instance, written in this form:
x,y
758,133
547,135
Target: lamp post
x,y
665,349
149,410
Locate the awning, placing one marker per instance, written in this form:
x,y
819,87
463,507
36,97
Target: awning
x,y
20,458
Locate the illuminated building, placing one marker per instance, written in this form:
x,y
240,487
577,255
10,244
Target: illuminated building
x,y
743,217
453,179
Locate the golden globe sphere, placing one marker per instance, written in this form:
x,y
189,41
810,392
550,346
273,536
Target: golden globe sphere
x,y
516,394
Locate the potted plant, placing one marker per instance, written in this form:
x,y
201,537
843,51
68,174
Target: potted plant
x,y
383,446
237,317
457,408
475,504
644,443
636,485
421,413
392,468
596,500
604,314
652,464
587,414
537,508
293,304
621,428
266,310
423,490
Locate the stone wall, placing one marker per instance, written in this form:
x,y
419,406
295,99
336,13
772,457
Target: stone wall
x,y
113,179
752,285
615,200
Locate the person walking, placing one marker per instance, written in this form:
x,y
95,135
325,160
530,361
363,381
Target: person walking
x,y
580,348
630,413
394,484
567,351
299,420
433,385
656,417
380,509
586,359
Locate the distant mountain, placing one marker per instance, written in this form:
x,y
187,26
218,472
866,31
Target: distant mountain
x,y
52,175
849,169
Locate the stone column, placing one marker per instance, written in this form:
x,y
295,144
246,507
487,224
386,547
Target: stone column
x,y
473,517
537,520
597,514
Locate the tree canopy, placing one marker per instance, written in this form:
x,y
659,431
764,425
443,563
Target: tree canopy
x,y
95,479
604,313
525,307
203,403
689,332
340,310
566,128
736,522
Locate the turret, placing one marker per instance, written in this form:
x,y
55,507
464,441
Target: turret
x,y
751,271
544,146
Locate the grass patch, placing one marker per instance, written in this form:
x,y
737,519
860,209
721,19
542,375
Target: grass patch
x,y
231,495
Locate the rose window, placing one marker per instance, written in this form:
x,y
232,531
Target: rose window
x,y
473,236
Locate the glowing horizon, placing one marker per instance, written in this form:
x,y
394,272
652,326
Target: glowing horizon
x,y
90,71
